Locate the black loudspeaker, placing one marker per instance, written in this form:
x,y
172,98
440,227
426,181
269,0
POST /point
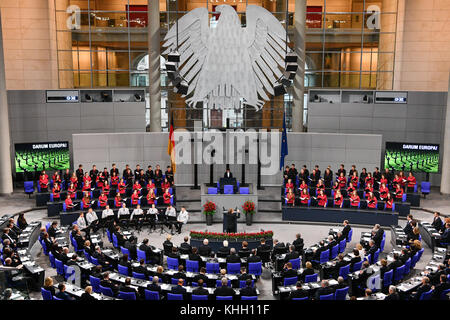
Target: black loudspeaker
x,y
279,90
173,56
182,87
285,81
291,67
174,77
289,75
291,57
171,66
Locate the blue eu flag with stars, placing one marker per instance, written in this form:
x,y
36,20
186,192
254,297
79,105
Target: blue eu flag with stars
x,y
284,144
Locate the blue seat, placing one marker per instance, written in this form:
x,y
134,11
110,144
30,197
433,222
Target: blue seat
x,y
255,268
106,291
151,295
426,295
357,266
295,263
51,197
387,278
194,284
324,256
407,267
192,266
420,252
290,281
233,268
213,267
219,283
173,281
141,255
350,235
46,295
398,273
172,296
125,251
109,236
344,271
304,298
340,294
68,272
404,197
327,297
244,190
334,252
47,226
151,279
248,298
138,275
224,298
342,245
95,261
87,255
51,257
172,263
95,283
28,187
115,242
243,284
123,270
425,188
414,260
444,295
56,298
196,297
228,189
311,278
59,267
126,295
212,190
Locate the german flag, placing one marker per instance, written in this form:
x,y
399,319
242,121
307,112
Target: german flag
x,y
171,147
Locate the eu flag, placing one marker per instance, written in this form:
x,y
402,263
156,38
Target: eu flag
x,y
284,144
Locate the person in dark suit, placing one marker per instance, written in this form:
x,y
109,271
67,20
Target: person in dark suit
x,y
253,257
201,276
149,255
179,289
233,257
185,247
339,264
404,256
168,245
424,287
377,235
298,292
244,251
200,290
345,231
244,276
292,254
205,250
105,282
48,285
440,287
263,246
125,263
180,274
224,290
445,237
73,260
278,247
384,268
307,271
396,263
356,258
288,272
62,294
437,222
224,251
154,285
228,174
319,250
174,254
126,287
393,295
101,257
248,290
87,295
323,290
194,256
372,248
298,243
408,229
141,269
435,277
331,243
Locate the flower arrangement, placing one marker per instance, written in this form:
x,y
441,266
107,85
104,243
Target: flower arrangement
x,y
231,236
209,208
249,207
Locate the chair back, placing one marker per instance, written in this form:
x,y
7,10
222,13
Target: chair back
x,y
192,266
344,271
219,283
420,252
334,252
342,245
255,268
376,256
109,236
414,260
425,187
290,281
357,266
243,190
426,295
52,259
398,273
59,267
243,254
324,256
340,294
172,263
311,278
304,298
125,251
115,241
387,278
212,267
151,295
228,189
350,235
56,298
233,268
243,298
95,283
196,297
68,272
444,295
29,188
327,297
224,298
95,261
243,283
295,263
106,291
127,295
407,267
212,190
173,296
46,295
174,281
138,275
123,270
141,255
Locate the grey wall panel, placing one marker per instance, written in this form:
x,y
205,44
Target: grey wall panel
x,y
424,125
26,96
329,123
30,136
328,154
96,109
126,122
123,154
129,109
326,110
357,110
27,111
427,112
333,141
371,142
361,155
125,140
58,110
63,123
97,123
389,124
390,110
91,141
28,124
354,123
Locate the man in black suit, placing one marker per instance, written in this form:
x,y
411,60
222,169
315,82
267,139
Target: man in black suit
x,y
185,247
278,247
292,173
64,255
292,254
440,287
248,290
435,277
52,230
101,257
372,248
396,263
154,286
288,272
7,236
205,250
200,291
150,256
346,229
244,276
437,222
424,287
355,259
228,174
108,283
298,243
126,287
299,292
180,274
404,256
339,264
331,243
233,257
194,256
323,290
319,250
253,257
73,260
224,251
224,290
141,268
201,276
174,254
179,289
393,295
62,294
408,229
377,235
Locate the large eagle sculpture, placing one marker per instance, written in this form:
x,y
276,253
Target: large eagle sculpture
x,y
228,64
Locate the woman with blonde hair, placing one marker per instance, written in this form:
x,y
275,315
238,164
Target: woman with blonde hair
x,y
416,246
48,285
87,295
360,248
308,271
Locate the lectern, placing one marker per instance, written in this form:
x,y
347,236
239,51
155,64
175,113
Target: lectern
x,y
230,221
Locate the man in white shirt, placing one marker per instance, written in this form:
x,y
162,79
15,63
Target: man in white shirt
x,y
171,215
107,214
81,222
153,216
137,216
92,219
183,218
123,214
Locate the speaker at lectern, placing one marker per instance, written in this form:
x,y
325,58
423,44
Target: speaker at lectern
x,y
230,218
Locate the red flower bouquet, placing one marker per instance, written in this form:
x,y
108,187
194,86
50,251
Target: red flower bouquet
x,y
249,207
209,208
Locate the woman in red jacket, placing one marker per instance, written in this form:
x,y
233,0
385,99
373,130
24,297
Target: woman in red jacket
x,y
304,197
165,185
322,199
87,186
114,180
368,188
354,200
135,198
342,181
411,182
56,178
303,186
290,198
87,178
354,178
338,199
118,201
106,188
43,182
372,201
320,186
122,187
72,191
351,188
398,192
86,201
137,187
74,180
56,192
69,203
403,179
397,180
383,180
389,201
167,196
369,179
103,200
384,191
336,186
289,185
151,197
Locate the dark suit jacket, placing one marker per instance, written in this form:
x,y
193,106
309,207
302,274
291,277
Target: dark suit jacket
x,y
228,175
87,297
204,251
298,294
437,223
244,276
253,259
378,237
224,251
200,276
224,291
233,258
186,247
438,289
393,296
306,272
323,291
248,291
154,287
64,296
346,230
200,291
109,284
289,273
141,269
420,290
195,257
291,256
178,290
